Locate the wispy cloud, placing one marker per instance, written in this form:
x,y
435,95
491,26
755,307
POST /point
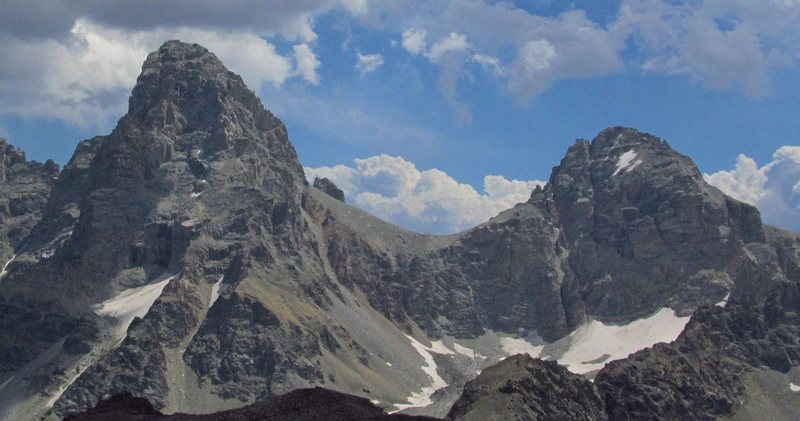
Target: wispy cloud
x,y
50,47
352,120
719,44
307,63
368,63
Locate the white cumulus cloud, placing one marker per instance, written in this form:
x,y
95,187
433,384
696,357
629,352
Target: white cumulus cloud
x,y
413,40
454,42
368,63
307,63
774,188
422,200
47,78
85,78
76,61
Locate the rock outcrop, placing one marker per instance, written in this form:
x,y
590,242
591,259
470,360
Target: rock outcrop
x,y
703,374
329,187
521,388
732,360
24,189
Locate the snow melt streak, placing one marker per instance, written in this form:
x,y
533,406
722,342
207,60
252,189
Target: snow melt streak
x,y
5,267
63,388
132,303
215,292
423,397
594,344
626,162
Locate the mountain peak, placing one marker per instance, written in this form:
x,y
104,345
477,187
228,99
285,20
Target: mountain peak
x,y
622,136
185,88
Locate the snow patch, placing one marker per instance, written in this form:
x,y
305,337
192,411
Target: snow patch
x,y
794,388
583,200
423,397
514,346
195,195
440,348
626,162
467,352
132,303
5,267
595,344
724,301
215,292
190,222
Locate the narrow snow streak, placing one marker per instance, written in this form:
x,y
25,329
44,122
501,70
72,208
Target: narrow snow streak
x,y
5,267
215,292
794,388
595,344
724,301
63,388
423,397
626,162
5,383
132,303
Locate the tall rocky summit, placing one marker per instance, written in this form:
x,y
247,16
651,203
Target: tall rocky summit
x,y
184,258
24,189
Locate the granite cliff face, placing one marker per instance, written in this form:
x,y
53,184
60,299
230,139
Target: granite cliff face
x,y
184,258
24,189
734,361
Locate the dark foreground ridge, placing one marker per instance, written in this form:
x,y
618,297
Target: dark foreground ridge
x,y
299,405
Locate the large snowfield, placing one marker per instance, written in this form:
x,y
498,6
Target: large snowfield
x,y
584,351
595,344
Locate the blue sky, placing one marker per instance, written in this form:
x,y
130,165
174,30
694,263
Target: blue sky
x,y
433,97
